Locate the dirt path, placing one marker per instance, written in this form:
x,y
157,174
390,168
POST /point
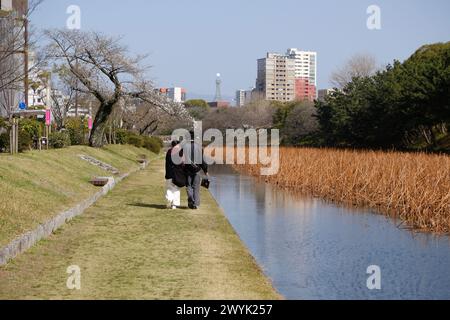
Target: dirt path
x,y
128,246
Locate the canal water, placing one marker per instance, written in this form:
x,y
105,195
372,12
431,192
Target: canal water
x,y
312,249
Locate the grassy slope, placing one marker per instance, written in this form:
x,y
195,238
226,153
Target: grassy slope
x,y
129,246
37,185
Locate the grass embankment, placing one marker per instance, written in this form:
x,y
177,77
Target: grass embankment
x,y
129,246
35,186
411,186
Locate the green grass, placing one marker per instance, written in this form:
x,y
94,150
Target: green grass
x,y
35,186
129,246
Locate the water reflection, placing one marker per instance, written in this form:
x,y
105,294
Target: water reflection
x,y
316,250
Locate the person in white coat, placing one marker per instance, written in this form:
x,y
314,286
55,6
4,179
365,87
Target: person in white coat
x,y
174,177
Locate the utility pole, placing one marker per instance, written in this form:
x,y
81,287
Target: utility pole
x,y
76,89
26,62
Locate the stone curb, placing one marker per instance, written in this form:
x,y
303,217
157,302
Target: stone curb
x,y
29,239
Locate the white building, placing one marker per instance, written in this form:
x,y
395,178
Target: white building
x,y
40,86
305,64
323,93
6,5
175,94
240,98
245,97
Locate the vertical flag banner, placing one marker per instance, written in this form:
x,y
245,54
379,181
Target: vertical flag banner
x,y
90,123
48,117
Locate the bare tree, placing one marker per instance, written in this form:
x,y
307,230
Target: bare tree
x,y
143,118
63,94
105,70
257,115
360,65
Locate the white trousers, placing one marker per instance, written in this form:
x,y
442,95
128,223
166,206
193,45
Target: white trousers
x,y
173,194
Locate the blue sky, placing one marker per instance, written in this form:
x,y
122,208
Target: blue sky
x,y
189,41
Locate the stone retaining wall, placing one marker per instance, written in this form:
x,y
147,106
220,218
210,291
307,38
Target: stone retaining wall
x,y
29,239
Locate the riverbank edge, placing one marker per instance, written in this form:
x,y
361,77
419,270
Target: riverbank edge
x,y
263,272
27,240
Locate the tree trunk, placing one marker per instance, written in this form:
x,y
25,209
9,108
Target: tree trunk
x,y
99,126
443,128
433,136
426,134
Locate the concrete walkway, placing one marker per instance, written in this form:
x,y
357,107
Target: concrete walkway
x,y
128,246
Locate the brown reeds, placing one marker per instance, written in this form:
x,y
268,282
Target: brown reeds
x,y
414,187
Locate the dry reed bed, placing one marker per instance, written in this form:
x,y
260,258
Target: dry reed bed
x,y
414,187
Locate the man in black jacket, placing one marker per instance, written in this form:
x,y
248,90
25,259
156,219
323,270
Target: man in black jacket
x,y
194,164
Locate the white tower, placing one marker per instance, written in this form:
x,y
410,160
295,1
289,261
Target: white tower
x,y
218,97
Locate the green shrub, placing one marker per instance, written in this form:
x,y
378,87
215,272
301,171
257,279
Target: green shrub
x,y
29,130
3,123
122,136
33,127
25,141
159,141
135,140
59,140
77,130
153,144
4,142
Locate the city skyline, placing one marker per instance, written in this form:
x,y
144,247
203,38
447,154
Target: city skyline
x,y
189,60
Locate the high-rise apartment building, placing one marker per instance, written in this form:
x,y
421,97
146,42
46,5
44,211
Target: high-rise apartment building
x,y
305,73
305,64
288,77
276,77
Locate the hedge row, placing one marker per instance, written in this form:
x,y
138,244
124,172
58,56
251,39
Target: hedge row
x,y
74,133
153,144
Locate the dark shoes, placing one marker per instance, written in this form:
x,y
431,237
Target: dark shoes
x,y
192,207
